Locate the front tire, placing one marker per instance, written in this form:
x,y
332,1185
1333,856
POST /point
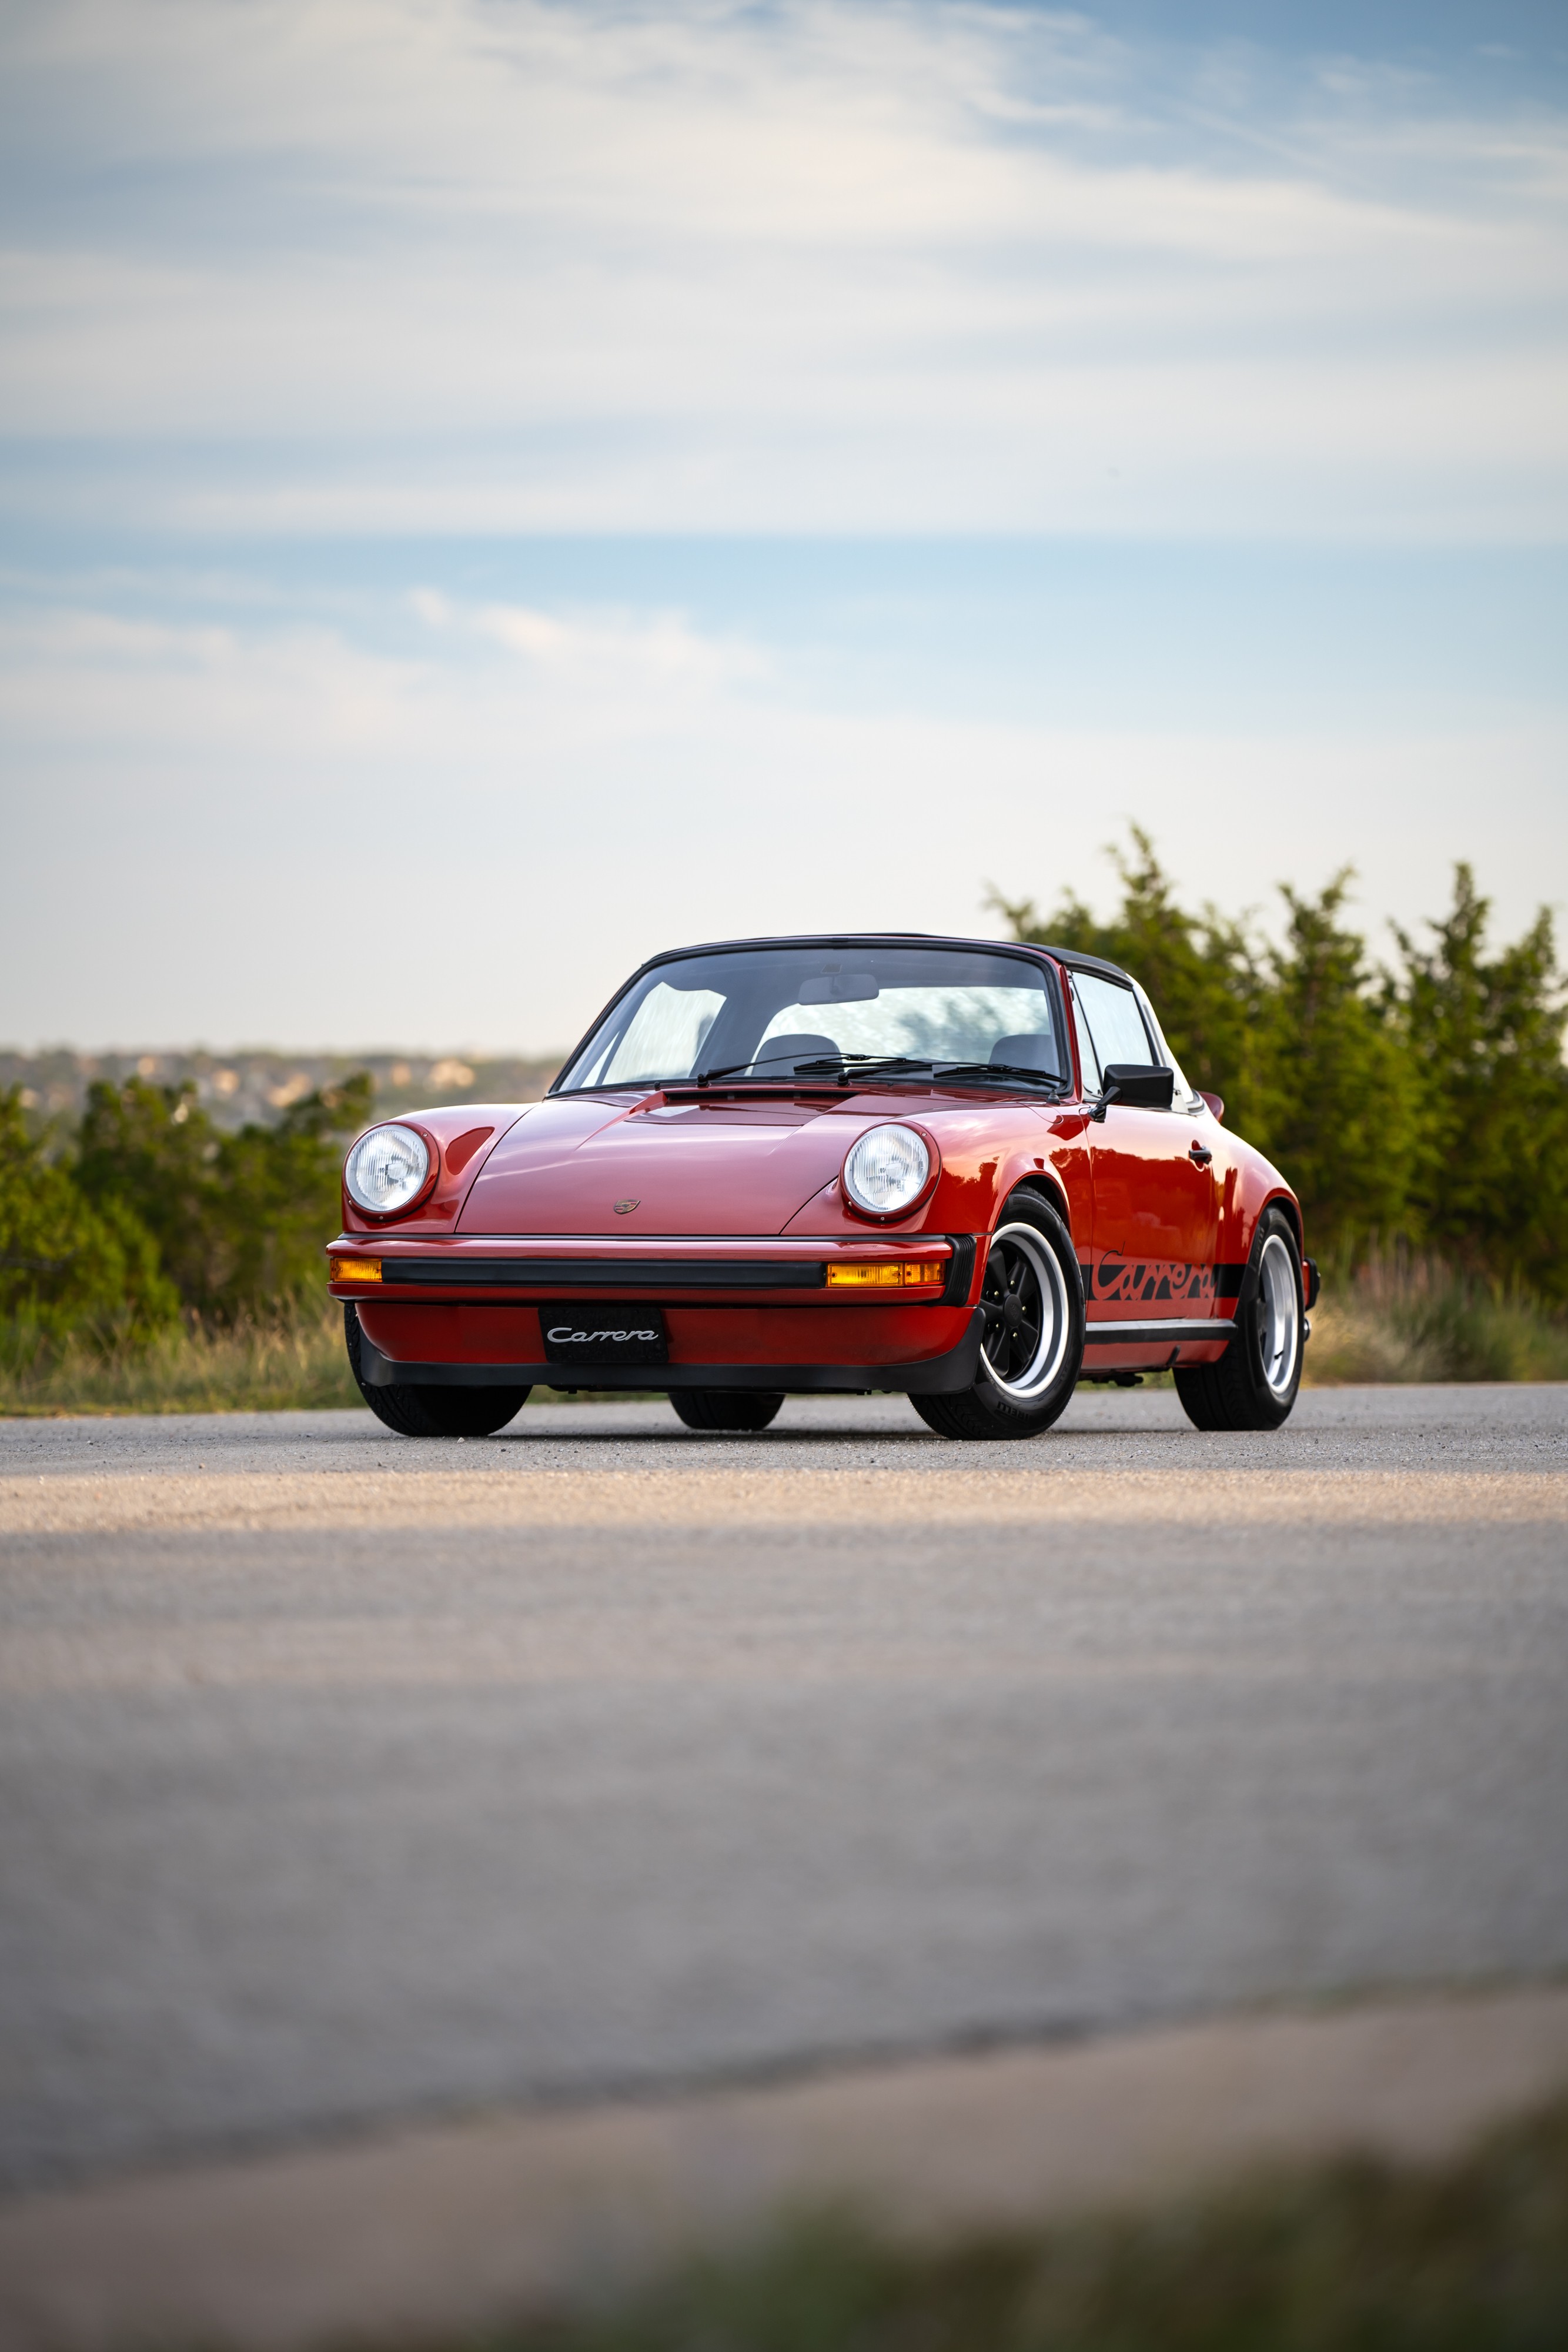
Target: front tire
x,y
1032,1295
415,1408
738,1409
1254,1384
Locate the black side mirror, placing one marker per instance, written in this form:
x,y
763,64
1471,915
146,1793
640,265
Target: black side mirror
x,y
1142,1086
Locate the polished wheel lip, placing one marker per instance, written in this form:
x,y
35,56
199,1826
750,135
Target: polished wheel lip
x,y
1046,1364
1278,1317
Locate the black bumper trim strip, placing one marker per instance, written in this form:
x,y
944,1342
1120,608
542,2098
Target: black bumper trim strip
x,y
606,1274
937,1376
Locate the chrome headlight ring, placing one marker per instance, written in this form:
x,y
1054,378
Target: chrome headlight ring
x,y
389,1169
889,1170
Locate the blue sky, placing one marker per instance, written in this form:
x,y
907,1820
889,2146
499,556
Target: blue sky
x,y
490,490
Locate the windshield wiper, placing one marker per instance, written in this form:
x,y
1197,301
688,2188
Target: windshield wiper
x,y
875,1065
824,1064
739,1069
872,1066
866,1065
1001,1070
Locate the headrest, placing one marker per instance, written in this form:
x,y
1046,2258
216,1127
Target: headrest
x,y
777,1053
1031,1050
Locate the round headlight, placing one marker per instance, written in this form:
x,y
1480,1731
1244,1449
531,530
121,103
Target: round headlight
x,y
887,1170
386,1170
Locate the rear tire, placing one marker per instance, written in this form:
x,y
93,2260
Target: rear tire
x,y
1033,1345
415,1408
1254,1384
714,1409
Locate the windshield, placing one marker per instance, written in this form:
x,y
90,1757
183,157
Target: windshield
x,y
764,1011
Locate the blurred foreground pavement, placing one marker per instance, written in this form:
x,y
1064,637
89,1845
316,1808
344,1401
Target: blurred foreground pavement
x,y
378,1815
349,1781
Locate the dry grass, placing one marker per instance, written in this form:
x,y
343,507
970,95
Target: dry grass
x,y
1396,1317
296,1362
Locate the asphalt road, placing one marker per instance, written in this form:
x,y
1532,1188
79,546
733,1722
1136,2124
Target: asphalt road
x,y
344,1781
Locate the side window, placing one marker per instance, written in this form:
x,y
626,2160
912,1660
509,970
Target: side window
x,y
1088,1060
1183,1097
1115,1026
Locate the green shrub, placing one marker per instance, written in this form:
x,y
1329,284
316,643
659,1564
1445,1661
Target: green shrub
x,y
67,1264
1488,1183
239,1219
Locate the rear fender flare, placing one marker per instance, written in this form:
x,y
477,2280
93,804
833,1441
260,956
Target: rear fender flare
x,y
1287,1205
1252,1186
1273,1197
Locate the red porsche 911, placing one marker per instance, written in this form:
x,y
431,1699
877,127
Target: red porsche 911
x,y
970,1172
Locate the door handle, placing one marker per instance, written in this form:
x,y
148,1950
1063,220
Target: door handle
x,y
1198,1153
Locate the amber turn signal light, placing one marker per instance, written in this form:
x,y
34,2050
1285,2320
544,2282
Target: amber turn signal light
x,y
884,1274
356,1269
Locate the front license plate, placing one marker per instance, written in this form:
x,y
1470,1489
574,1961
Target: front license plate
x,y
593,1331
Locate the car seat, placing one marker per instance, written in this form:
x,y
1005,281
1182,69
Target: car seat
x,y
1032,1049
801,1046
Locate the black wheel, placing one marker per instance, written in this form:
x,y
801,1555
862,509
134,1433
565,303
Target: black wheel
x,y
416,1410
1254,1384
1033,1343
725,1408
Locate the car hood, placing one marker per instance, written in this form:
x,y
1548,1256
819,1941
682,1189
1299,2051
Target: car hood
x,y
586,1164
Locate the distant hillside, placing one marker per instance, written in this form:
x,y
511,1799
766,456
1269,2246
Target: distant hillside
x,y
258,1086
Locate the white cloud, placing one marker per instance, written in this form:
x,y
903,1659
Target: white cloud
x,y
818,267
611,652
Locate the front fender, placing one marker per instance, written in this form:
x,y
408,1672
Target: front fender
x,y
1047,1150
468,1131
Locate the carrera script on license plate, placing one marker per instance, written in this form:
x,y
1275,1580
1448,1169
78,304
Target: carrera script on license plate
x,y
592,1333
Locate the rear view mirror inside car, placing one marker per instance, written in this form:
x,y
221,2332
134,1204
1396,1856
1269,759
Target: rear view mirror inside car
x,y
839,988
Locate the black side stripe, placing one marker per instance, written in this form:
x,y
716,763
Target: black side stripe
x,y
1228,1280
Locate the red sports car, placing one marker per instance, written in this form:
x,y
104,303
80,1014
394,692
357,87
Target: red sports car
x,y
971,1172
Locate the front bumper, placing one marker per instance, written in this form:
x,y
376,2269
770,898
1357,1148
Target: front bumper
x,y
754,1312
776,1268
943,1375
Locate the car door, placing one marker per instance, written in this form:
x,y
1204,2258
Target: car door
x,y
1151,1255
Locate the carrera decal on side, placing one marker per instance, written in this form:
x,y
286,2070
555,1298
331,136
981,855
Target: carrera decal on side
x,y
1141,1281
